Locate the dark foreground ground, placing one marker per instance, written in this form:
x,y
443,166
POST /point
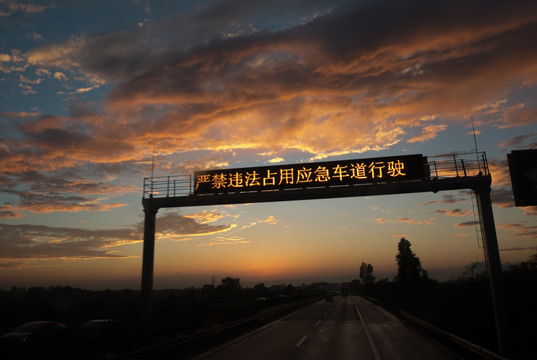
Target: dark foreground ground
x,y
461,306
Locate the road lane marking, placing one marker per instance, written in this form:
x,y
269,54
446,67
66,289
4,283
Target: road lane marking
x,y
247,335
369,338
302,340
318,322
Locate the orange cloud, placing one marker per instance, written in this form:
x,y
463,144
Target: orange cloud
x,y
338,84
405,220
428,133
205,216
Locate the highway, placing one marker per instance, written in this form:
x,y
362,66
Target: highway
x,y
349,328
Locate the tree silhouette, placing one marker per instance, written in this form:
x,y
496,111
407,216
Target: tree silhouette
x,y
409,270
366,273
231,283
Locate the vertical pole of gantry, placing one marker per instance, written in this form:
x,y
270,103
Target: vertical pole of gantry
x,y
494,267
147,263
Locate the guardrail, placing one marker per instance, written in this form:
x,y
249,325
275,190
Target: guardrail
x,y
457,344
453,339
190,344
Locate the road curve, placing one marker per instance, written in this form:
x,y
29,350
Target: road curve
x,y
349,328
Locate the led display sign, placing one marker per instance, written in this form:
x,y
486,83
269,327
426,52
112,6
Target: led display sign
x,y
311,175
523,171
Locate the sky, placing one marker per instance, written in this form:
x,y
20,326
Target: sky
x,y
93,93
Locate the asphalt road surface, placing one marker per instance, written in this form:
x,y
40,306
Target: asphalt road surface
x,y
349,328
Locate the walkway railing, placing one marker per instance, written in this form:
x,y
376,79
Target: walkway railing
x,y
455,165
458,165
168,186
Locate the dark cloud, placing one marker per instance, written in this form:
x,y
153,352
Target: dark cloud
x,y
452,199
46,242
454,212
519,249
525,141
47,192
502,198
39,241
521,230
467,224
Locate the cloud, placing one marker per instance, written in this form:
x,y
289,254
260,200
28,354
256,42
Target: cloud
x,y
454,212
60,76
225,241
531,248
8,7
19,114
39,242
324,81
45,242
270,220
205,216
503,198
9,212
467,224
522,230
46,192
172,226
428,132
405,220
520,142
428,203
256,87
518,115
452,199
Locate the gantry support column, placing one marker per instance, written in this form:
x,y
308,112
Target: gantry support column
x,y
147,263
494,267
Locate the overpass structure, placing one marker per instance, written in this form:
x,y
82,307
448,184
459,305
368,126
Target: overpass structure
x,y
409,174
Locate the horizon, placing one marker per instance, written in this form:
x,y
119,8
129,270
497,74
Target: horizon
x,y
198,281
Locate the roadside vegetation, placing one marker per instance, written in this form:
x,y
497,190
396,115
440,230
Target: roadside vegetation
x,y
462,306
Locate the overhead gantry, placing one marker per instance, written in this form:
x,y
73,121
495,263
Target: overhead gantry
x,y
361,177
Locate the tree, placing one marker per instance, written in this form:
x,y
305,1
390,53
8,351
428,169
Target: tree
x,y
260,290
231,283
409,270
366,273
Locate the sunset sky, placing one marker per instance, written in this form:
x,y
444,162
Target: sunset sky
x,y
91,90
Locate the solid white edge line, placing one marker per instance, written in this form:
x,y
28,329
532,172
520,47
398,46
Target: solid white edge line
x,y
301,340
369,338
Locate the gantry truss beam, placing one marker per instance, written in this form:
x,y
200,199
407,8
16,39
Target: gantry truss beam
x,y
475,183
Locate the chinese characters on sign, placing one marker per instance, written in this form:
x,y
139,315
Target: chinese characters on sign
x,y
322,174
